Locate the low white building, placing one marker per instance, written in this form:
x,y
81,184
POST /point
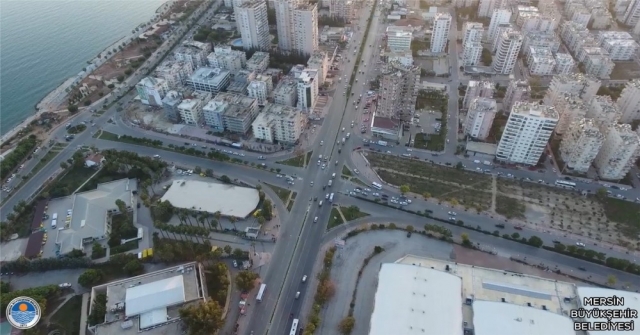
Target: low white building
x,y
260,88
398,40
207,79
286,92
174,72
191,111
619,152
597,62
226,58
580,145
541,61
527,132
258,62
480,117
278,123
564,63
619,44
152,90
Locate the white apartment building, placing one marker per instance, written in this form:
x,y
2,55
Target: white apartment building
x,y
191,111
342,9
541,61
629,102
170,105
193,53
620,45
258,62
305,24
536,39
508,47
278,123
284,23
499,30
260,88
440,34
498,17
471,43
480,117
517,91
570,108
564,63
227,59
175,73
231,112
583,86
152,90
574,35
477,89
319,61
603,111
251,18
206,79
619,152
473,31
631,15
536,22
486,7
580,145
307,89
286,92
526,133
636,29
398,40
580,15
597,62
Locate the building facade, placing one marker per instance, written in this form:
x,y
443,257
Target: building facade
x,y
152,90
584,86
629,102
517,91
307,89
253,25
508,47
284,23
440,34
619,152
580,145
526,133
286,92
279,123
480,116
231,112
206,79
477,89
498,17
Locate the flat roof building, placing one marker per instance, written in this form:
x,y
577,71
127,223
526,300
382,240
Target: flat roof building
x,y
279,123
229,200
480,117
91,212
231,112
152,90
580,145
399,40
174,72
258,62
206,79
308,87
286,92
498,318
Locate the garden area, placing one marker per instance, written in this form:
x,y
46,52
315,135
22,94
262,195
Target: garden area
x,y
438,102
67,318
334,219
282,193
297,161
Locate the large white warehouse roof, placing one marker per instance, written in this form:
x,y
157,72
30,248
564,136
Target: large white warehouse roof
x,y
158,294
499,318
416,300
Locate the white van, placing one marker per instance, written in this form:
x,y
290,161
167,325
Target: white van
x,y
54,223
55,216
333,175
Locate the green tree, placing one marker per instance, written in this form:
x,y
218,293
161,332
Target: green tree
x,y
72,109
515,236
97,251
64,165
409,228
346,325
465,240
612,280
134,268
5,287
246,280
601,194
228,250
404,189
559,246
535,241
459,166
90,278
225,179
202,319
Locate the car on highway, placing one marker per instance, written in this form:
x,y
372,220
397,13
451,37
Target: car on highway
x,y
356,171
304,278
315,219
311,183
451,218
580,244
452,213
321,142
352,193
297,294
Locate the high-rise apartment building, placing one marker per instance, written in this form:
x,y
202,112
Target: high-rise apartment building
x,y
632,14
564,63
253,25
629,102
472,43
284,23
440,34
477,89
498,17
603,111
570,108
152,90
486,7
584,86
305,25
480,117
526,133
541,61
619,152
517,91
319,61
342,9
398,92
279,123
580,145
307,89
508,47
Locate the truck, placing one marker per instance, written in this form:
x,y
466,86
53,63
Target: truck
x,y
486,163
331,197
382,143
236,145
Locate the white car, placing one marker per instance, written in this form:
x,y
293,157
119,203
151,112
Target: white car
x,y
304,278
376,194
352,193
451,218
315,219
278,176
321,142
356,171
367,190
452,213
394,201
580,244
326,196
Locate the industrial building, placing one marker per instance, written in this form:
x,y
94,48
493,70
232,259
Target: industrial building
x,y
228,199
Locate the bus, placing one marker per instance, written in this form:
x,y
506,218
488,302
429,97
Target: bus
x,y
263,287
294,327
565,184
331,197
376,186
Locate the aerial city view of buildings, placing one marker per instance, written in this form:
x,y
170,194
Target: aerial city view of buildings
x,y
336,167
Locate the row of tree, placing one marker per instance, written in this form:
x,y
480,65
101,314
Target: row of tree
x,y
325,291
11,161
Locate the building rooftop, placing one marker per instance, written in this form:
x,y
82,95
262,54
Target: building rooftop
x,y
237,104
534,109
172,98
149,302
209,75
151,82
563,58
483,104
416,300
281,111
285,87
258,57
498,318
307,76
229,200
188,104
89,212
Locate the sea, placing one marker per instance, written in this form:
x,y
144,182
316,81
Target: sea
x,y
44,42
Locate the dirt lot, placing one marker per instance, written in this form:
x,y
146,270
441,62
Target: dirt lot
x,y
149,117
625,71
568,211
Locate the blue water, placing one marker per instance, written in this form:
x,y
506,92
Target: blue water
x,y
44,42
237,42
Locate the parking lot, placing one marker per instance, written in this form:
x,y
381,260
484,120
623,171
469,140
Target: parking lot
x,y
424,122
56,206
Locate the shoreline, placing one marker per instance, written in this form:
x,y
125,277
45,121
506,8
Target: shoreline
x,y
40,108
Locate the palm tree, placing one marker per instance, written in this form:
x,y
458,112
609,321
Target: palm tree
x,y
233,221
